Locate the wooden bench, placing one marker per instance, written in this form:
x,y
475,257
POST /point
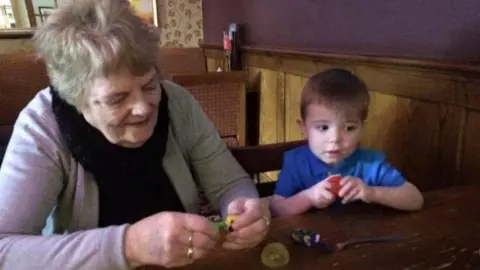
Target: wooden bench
x,y
221,94
23,75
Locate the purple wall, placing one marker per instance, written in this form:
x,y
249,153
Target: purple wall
x,y
440,29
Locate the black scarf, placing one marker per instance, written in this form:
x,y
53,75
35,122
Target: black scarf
x,y
132,181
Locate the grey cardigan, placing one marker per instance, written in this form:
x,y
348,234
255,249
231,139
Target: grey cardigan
x,y
43,190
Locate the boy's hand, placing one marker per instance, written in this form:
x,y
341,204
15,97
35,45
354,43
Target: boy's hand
x,y
320,195
352,189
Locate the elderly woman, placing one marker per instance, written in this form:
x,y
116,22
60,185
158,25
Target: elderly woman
x,y
102,169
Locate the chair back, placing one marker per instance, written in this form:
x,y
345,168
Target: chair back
x,y
175,61
223,98
22,76
263,158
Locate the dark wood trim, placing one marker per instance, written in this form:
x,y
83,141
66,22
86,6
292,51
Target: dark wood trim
x,y
210,78
31,13
263,158
442,66
17,33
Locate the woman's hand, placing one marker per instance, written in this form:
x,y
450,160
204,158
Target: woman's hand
x,y
251,225
169,239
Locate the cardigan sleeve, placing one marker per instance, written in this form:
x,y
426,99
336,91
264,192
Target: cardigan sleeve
x,y
214,166
31,181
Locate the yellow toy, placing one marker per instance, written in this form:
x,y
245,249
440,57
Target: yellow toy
x,y
224,225
229,221
275,255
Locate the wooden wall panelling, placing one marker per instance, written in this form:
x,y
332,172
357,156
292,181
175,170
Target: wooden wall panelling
x,y
414,84
472,93
215,59
272,113
412,120
429,130
470,146
470,167
299,67
304,66
294,85
424,115
419,138
254,79
272,116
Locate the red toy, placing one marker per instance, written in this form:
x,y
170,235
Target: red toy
x,y
335,181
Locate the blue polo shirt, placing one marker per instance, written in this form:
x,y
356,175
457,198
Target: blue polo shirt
x,y
302,169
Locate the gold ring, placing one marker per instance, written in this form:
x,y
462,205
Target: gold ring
x,y
190,252
267,220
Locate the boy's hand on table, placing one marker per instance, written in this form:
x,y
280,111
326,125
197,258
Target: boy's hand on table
x,y
320,195
352,189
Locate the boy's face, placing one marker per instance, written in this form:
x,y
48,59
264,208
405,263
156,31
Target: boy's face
x,y
332,136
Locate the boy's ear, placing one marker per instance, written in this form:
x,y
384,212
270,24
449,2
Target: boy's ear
x,y
363,123
300,123
301,126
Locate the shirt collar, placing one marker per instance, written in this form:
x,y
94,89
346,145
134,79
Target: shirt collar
x,y
320,168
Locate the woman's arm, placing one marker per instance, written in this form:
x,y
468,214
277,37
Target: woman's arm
x,y
289,198
219,173
31,179
93,249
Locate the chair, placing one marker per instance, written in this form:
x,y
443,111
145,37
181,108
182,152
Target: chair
x,y
222,96
23,75
263,158
175,61
254,160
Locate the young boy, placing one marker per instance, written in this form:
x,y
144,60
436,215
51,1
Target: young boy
x,y
334,105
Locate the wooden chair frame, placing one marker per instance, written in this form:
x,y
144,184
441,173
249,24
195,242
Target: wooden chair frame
x,y
215,78
263,158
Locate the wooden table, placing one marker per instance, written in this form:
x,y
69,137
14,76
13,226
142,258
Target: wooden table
x,y
444,235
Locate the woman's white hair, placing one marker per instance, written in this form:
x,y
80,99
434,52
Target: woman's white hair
x,y
87,39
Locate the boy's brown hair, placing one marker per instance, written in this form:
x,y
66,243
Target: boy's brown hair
x,y
336,88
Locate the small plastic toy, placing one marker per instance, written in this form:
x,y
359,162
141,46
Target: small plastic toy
x,y
223,225
310,239
306,237
229,221
275,255
335,181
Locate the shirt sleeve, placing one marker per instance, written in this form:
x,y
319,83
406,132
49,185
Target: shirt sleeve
x,y
287,184
221,176
386,174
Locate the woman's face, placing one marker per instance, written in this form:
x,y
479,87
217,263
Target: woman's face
x,y
124,107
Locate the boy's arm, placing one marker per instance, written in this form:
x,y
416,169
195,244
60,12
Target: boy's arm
x,y
287,200
393,190
405,197
294,205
